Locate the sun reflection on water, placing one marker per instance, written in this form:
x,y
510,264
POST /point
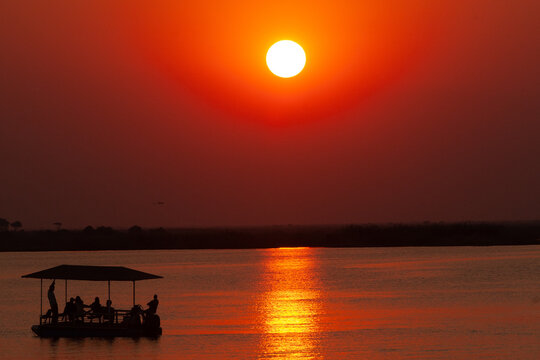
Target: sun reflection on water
x,y
290,305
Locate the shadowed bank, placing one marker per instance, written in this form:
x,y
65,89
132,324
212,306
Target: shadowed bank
x,y
136,238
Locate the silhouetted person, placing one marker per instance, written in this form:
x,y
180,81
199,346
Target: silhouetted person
x,y
134,316
54,305
152,306
95,307
70,309
151,319
108,312
79,308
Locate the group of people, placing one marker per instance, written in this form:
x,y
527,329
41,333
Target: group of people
x,y
75,308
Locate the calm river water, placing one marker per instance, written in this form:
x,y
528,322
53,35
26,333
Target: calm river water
x,y
301,303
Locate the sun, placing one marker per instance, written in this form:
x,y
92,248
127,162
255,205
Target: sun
x,y
286,58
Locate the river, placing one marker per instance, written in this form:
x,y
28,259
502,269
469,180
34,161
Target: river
x,y
296,303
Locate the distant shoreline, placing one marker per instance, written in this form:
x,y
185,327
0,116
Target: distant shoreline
x,y
365,235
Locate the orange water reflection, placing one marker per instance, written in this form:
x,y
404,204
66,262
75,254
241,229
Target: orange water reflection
x,y
290,305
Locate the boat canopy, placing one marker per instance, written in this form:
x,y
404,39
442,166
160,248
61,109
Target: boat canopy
x,y
92,273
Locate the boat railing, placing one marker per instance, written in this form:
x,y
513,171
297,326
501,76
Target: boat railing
x,y
108,317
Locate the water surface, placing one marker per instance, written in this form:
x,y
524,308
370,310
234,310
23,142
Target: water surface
x,y
301,303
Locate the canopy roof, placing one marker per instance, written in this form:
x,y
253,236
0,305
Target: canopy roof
x,y
92,273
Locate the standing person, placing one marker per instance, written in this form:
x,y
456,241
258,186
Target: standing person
x,y
53,303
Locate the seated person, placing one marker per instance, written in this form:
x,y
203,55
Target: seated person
x,y
133,318
95,307
79,308
96,310
108,312
152,306
69,310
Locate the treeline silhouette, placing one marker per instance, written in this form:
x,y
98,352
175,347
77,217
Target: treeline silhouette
x,y
368,235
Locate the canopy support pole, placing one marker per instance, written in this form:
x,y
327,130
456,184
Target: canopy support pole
x,y
133,292
109,285
65,291
40,299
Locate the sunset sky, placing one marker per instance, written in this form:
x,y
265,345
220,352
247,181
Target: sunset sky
x,y
405,111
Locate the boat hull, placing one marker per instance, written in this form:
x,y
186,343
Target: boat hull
x,y
94,330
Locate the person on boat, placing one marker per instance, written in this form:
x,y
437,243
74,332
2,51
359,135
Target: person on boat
x,y
69,310
79,308
152,306
52,301
96,310
95,307
133,318
108,312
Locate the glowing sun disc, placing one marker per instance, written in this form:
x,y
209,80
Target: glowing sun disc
x,y
286,58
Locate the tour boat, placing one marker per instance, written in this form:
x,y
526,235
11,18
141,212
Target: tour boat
x,y
109,322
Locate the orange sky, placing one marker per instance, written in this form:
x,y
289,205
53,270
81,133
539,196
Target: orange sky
x,y
218,52
406,111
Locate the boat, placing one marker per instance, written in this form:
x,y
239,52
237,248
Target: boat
x,y
109,322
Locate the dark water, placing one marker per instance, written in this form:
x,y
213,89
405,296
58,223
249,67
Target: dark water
x,y
391,303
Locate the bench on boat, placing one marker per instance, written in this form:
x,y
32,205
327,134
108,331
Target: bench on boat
x,y
117,316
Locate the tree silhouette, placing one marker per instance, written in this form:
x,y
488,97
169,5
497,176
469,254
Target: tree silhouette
x,y
58,225
135,230
16,225
4,224
105,230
